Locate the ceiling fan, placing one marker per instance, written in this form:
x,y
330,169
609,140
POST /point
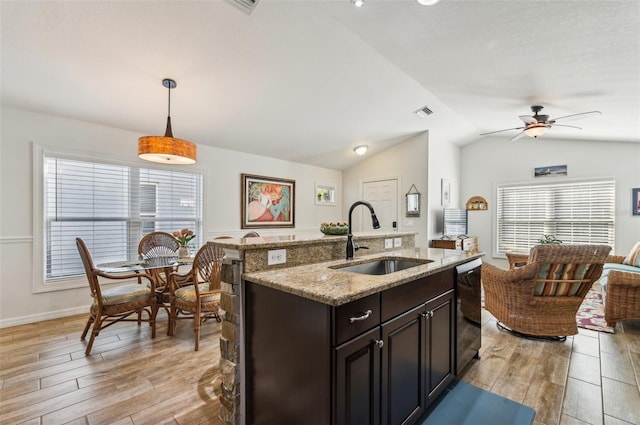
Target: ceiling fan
x,y
536,125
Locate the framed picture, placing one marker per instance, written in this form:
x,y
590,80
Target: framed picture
x,y
551,170
325,195
635,199
267,202
446,192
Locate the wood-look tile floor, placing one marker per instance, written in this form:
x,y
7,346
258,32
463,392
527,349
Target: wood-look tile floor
x,y
591,378
130,379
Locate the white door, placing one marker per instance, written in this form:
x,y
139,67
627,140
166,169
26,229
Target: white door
x,y
383,196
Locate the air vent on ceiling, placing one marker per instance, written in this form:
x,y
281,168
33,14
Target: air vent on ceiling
x,y
423,112
246,5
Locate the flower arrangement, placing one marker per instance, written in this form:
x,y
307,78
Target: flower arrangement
x,y
184,236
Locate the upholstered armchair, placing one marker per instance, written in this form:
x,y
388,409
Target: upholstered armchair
x,y
621,289
542,297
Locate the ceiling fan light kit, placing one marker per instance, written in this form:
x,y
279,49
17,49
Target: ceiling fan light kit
x,y
537,124
167,149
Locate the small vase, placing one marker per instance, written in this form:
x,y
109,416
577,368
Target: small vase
x,y
183,252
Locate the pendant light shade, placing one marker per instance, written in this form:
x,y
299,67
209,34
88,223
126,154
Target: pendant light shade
x,y
167,149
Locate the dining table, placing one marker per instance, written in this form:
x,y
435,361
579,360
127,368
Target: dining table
x,y
156,268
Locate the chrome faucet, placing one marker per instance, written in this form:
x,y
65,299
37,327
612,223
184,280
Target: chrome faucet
x,y
351,247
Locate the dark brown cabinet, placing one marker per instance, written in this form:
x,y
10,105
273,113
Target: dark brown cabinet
x,y
385,357
357,380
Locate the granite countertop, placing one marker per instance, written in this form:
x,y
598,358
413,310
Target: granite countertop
x,y
320,282
293,240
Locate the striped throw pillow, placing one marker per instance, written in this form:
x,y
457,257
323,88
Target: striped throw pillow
x,y
633,259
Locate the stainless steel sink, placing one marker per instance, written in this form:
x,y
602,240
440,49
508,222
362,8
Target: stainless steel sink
x,y
379,267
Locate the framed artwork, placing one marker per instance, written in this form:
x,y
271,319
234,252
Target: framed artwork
x,y
635,199
325,195
551,170
267,202
446,192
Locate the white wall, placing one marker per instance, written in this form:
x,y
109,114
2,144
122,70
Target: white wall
x,y
408,162
444,163
493,160
222,199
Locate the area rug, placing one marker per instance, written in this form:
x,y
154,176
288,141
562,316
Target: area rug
x,y
591,313
466,404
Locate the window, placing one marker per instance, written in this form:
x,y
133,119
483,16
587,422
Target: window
x,y
574,212
111,206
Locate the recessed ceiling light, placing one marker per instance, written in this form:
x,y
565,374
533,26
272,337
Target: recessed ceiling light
x,y
428,2
358,3
361,150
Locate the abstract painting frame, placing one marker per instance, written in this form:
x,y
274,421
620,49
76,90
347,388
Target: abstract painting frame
x,y
635,201
267,202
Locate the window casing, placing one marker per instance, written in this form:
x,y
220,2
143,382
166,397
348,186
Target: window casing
x,y
578,212
111,206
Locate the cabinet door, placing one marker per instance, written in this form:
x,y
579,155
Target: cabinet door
x,y
404,368
440,344
357,380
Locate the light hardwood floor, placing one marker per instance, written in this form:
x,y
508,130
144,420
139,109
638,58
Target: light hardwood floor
x,y
592,378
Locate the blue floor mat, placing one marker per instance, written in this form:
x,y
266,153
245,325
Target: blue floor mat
x,y
465,404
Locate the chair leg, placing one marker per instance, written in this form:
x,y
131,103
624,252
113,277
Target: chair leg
x,y
171,330
94,333
152,319
196,329
197,322
87,326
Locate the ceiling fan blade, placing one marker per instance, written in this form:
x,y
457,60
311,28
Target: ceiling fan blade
x,y
500,131
579,116
528,119
564,125
517,137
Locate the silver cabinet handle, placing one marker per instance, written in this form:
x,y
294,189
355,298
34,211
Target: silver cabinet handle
x,y
379,343
363,317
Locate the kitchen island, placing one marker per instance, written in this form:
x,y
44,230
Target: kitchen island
x,y
330,346
320,343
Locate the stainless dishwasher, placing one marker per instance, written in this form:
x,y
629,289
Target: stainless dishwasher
x,y
468,292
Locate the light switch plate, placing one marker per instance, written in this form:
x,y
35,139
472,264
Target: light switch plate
x,y
276,256
397,242
388,243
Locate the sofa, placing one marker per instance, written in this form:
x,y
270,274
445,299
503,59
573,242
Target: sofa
x,y
620,281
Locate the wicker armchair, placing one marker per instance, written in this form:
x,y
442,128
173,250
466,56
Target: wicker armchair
x,y
158,244
200,301
115,304
542,297
622,294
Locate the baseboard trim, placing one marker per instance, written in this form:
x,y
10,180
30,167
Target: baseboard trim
x,y
39,317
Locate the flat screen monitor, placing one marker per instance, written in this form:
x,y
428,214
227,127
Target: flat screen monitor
x,y
455,222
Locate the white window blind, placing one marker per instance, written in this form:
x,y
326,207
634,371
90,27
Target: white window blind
x,y
111,207
574,212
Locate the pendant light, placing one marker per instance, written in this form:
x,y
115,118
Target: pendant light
x,y
167,149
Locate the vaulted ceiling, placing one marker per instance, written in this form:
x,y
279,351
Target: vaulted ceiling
x,y
308,80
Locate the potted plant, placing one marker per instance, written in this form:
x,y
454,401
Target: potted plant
x,y
549,239
183,237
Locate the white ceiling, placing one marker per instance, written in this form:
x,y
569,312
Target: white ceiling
x,y
307,80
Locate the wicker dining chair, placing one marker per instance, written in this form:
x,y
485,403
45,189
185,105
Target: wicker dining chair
x,y
200,301
157,244
542,297
115,304
252,235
